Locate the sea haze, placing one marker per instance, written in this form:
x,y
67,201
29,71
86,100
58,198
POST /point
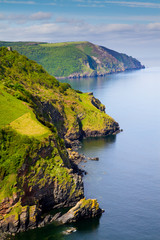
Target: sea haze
x,y
126,179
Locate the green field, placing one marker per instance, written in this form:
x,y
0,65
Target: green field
x,y
10,108
19,116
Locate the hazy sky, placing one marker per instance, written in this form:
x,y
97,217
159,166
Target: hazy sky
x,y
132,27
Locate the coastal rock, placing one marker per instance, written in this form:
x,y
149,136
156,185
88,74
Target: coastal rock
x,y
93,158
97,104
109,130
69,231
83,209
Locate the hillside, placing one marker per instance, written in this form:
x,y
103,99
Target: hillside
x,y
39,118
75,59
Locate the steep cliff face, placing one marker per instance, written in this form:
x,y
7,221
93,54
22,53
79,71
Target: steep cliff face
x,y
40,181
38,116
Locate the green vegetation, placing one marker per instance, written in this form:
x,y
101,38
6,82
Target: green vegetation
x,y
28,125
36,114
10,108
75,58
14,149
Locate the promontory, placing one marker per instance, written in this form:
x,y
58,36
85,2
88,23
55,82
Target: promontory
x,y
75,59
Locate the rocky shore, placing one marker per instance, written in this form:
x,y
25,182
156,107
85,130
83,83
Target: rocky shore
x,y
97,74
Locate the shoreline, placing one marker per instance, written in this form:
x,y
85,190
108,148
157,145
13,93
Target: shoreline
x,y
79,76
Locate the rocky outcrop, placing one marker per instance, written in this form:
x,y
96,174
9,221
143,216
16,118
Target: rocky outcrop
x,y
47,112
16,217
83,209
113,129
96,102
43,182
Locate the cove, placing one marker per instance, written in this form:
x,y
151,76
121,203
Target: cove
x,y
126,179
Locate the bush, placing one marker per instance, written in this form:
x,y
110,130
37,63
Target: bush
x,y
63,87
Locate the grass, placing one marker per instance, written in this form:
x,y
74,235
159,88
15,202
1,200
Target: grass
x,y
61,44
10,108
29,125
19,116
94,119
7,188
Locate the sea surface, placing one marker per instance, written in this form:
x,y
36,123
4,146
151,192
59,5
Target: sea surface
x,y
126,179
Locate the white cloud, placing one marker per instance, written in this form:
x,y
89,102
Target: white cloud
x,y
22,19
66,28
42,29
94,3
18,2
2,16
73,21
154,26
27,2
135,4
41,16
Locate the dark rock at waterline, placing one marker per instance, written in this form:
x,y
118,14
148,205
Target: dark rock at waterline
x,y
93,158
69,231
82,210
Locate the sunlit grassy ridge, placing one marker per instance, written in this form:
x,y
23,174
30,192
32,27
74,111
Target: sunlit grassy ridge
x,y
19,116
10,108
28,125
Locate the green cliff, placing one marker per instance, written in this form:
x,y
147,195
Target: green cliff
x,y
75,59
39,117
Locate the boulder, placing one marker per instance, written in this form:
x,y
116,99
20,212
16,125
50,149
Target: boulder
x,y
83,209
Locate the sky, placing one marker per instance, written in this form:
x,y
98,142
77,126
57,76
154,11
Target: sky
x,y
131,27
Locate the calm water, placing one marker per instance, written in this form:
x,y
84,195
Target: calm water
x,y
126,179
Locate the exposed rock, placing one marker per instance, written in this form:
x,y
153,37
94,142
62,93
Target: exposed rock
x,y
90,93
69,231
56,216
24,218
97,104
74,156
113,129
45,221
93,158
83,209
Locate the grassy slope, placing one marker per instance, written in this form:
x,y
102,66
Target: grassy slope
x,y
10,108
64,59
58,59
18,115
24,88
